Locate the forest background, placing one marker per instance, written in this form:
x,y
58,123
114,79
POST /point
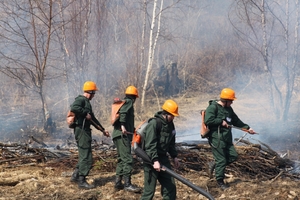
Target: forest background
x,y
182,49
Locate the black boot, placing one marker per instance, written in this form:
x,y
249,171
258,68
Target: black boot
x,y
129,187
222,185
210,168
82,184
75,176
118,184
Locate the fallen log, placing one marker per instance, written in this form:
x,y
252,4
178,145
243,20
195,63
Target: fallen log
x,y
13,181
38,141
36,157
256,161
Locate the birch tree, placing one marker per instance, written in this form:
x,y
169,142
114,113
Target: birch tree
x,y
152,45
154,33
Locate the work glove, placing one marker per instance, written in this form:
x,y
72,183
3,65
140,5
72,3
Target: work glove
x,y
124,131
224,123
156,166
106,133
251,131
176,163
88,116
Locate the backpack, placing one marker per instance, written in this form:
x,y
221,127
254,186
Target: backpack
x,y
115,108
204,131
139,134
71,119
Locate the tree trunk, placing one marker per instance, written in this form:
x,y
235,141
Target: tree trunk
x,y
152,45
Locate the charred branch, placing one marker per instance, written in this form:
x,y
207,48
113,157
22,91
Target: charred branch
x,y
256,161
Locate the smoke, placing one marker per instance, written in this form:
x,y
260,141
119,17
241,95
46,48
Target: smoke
x,y
113,65
191,135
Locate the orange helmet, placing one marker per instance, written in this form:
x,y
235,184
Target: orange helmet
x,y
131,90
228,94
171,107
89,86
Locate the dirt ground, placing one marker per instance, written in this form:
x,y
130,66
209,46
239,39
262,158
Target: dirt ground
x,y
50,179
43,182
38,179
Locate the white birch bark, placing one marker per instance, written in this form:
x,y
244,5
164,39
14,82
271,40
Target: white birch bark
x,y
152,45
265,46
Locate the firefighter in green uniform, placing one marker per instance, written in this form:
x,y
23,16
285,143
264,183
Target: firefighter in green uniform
x,y
122,136
157,144
83,135
218,117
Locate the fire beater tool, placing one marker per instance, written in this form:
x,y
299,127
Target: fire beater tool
x,y
242,129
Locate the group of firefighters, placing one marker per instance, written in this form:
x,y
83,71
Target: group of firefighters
x,y
159,145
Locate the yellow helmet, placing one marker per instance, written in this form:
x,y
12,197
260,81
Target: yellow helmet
x,y
89,86
228,94
171,107
131,90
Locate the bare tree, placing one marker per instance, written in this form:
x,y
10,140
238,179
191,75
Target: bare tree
x,y
62,38
27,27
154,33
75,31
152,45
266,27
